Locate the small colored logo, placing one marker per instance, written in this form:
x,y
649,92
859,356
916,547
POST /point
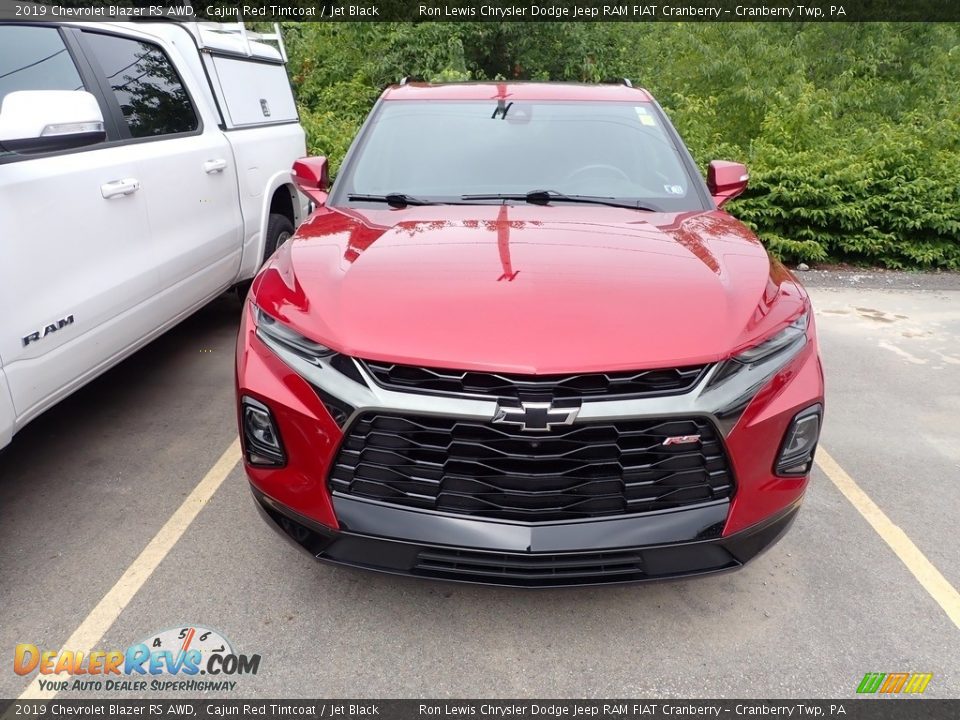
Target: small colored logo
x,y
895,683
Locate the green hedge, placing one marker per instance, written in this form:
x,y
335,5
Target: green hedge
x,y
851,131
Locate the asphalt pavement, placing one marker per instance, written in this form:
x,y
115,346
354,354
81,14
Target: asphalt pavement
x,y
85,488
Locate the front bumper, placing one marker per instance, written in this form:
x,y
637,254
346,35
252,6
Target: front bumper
x,y
713,536
376,536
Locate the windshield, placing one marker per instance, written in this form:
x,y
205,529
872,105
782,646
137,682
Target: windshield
x,y
443,150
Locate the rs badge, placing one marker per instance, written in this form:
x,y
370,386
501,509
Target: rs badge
x,y
682,440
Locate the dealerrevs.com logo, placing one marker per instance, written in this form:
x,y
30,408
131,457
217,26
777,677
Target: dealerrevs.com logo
x,y
171,660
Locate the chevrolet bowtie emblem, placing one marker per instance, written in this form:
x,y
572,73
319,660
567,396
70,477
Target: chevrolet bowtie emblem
x,y
535,416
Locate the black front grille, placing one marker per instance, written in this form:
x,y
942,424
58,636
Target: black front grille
x,y
635,383
533,570
488,470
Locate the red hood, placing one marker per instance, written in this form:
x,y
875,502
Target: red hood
x,y
528,289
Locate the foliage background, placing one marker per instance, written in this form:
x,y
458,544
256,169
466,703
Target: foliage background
x,y
851,130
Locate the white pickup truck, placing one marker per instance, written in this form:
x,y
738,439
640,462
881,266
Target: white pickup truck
x,y
144,169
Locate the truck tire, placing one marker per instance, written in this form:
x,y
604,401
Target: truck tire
x,y
279,230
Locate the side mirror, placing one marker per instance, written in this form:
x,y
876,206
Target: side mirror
x,y
48,120
310,177
726,180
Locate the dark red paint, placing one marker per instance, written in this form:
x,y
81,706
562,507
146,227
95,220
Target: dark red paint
x,y
527,289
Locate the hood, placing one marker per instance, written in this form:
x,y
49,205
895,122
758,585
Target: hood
x,y
528,289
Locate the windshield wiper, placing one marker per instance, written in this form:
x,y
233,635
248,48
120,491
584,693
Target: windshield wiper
x,y
544,197
394,200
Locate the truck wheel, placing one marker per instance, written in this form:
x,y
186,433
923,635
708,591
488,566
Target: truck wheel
x,y
279,230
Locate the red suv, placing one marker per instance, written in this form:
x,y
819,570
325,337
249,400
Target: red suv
x,y
519,343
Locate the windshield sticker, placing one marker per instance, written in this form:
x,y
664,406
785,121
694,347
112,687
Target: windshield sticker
x,y
674,189
644,116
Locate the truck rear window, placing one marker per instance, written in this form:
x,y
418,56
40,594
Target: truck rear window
x,y
151,95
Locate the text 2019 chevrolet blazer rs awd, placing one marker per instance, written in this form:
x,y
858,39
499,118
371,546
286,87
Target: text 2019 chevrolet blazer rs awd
x,y
520,343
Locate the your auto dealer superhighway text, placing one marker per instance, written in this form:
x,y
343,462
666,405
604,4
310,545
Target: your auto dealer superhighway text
x,y
623,709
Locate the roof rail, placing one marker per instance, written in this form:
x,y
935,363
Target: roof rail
x,y
238,28
612,81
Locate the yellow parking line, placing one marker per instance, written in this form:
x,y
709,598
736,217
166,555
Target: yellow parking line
x,y
96,624
923,570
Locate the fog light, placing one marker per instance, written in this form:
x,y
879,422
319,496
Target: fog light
x,y
800,443
261,439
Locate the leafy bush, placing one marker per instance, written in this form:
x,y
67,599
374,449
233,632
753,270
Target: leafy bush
x,y
851,131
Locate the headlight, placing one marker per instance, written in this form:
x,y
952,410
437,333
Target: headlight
x,y
736,381
274,330
333,376
774,344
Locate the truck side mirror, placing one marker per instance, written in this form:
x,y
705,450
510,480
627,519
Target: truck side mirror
x,y
726,180
49,120
310,177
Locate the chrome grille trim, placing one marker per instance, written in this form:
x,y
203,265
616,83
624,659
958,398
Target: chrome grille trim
x,y
722,402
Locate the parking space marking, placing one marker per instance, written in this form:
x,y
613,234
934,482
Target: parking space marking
x,y
96,624
109,608
923,570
